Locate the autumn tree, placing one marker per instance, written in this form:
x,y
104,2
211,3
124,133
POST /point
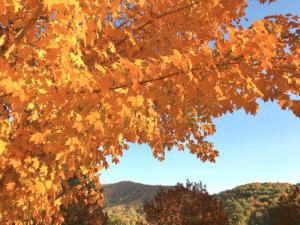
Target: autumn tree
x,y
287,212
185,205
80,79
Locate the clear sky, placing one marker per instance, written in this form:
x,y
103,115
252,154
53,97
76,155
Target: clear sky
x,y
264,148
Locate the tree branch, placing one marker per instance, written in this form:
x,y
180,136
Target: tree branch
x,y
151,79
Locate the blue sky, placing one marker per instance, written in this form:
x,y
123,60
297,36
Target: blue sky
x,y
264,148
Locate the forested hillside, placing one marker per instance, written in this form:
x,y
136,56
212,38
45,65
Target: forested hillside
x,y
129,193
246,204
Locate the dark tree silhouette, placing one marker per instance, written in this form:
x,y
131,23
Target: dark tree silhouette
x,y
185,205
287,212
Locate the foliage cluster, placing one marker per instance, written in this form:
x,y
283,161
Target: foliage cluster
x,y
185,205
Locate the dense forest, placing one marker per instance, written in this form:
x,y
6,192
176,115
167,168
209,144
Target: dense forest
x,y
245,205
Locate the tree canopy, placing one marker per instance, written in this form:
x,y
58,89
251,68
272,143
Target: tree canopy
x,y
185,205
251,203
80,79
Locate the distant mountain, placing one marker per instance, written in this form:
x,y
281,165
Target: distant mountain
x,y
128,193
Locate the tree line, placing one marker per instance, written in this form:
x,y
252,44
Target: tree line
x,y
191,204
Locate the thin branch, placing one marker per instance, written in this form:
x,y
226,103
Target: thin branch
x,y
151,80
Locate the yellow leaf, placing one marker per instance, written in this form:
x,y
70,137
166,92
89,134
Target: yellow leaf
x,y
59,155
93,117
44,170
120,137
34,116
48,184
58,202
49,82
10,186
138,62
17,5
76,58
141,3
2,40
20,202
112,47
136,101
100,68
78,126
41,53
84,170
177,53
78,118
40,187
42,91
36,163
30,106
122,90
38,137
2,147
